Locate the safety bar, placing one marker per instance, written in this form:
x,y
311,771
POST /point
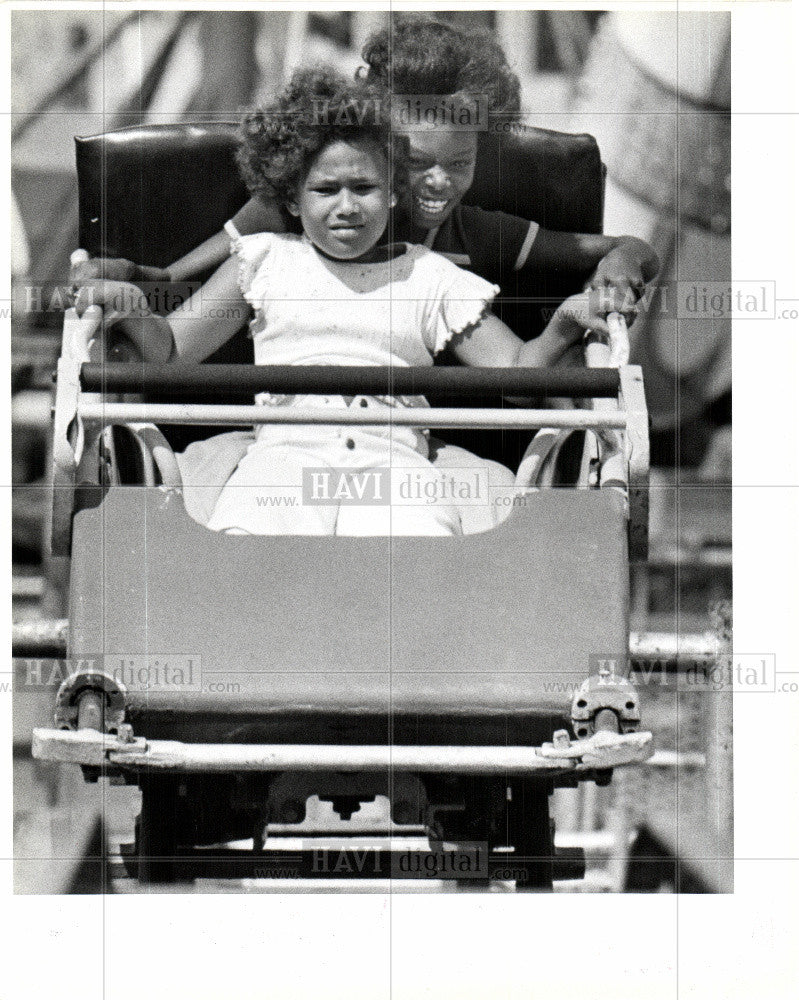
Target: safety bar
x,y
349,380
217,414
94,749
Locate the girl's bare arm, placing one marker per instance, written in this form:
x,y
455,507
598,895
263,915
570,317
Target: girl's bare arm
x,y
492,344
211,316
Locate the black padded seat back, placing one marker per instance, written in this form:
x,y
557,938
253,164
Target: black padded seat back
x,y
555,178
151,193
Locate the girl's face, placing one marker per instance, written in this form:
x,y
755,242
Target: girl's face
x,y
440,172
345,199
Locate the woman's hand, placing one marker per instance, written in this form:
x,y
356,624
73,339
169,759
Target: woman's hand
x,y
115,269
125,309
589,311
117,298
622,275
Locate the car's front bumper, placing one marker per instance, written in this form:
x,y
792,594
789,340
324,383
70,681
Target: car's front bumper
x,y
90,748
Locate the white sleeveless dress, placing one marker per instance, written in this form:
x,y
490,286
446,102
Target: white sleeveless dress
x,y
311,310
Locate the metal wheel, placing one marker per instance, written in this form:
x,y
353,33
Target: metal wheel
x,y
156,832
529,832
503,815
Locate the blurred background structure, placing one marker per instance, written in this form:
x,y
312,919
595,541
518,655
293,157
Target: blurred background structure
x,y
654,88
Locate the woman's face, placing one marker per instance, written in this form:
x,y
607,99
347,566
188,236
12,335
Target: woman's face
x,y
344,201
440,172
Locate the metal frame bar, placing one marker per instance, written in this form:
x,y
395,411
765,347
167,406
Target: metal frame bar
x,y
155,448
613,461
410,857
537,464
681,647
633,402
51,637
217,414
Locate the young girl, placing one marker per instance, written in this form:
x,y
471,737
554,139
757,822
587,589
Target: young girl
x,y
337,295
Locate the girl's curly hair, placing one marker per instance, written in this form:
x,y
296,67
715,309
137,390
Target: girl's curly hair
x,y
418,55
277,144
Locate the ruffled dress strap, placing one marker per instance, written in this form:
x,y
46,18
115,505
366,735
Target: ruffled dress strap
x,y
251,251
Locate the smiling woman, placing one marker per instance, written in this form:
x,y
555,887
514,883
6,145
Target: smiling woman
x,y
441,166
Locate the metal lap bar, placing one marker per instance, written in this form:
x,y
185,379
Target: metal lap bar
x,y
216,414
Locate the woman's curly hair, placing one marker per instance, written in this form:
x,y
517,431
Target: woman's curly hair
x,y
418,55
277,144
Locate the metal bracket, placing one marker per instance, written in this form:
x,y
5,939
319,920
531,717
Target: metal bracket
x,y
85,747
69,694
602,750
605,690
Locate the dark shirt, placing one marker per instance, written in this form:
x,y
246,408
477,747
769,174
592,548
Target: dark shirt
x,y
491,244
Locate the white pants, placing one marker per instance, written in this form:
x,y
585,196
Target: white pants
x,y
333,480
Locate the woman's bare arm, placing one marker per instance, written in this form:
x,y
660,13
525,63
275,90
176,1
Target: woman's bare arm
x,y
623,265
192,332
586,251
259,215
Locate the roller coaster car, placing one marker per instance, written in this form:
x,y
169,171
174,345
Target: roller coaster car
x,y
461,678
